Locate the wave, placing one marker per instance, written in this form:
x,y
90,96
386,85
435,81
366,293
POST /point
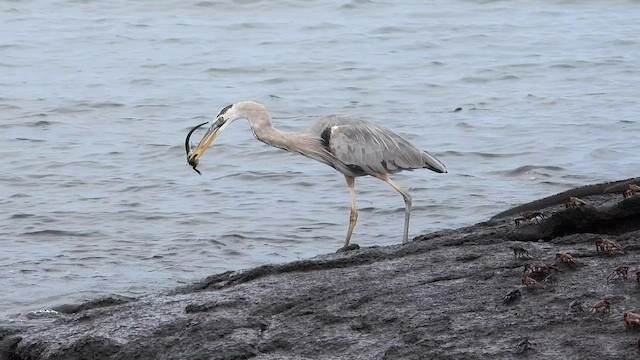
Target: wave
x,y
486,155
53,232
22,216
41,123
30,140
525,169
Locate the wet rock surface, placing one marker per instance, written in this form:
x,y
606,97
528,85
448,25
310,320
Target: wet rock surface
x,y
455,294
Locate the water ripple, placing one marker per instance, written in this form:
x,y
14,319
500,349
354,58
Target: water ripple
x,y
527,169
61,233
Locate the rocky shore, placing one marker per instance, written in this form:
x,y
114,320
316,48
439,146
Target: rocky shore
x,y
454,294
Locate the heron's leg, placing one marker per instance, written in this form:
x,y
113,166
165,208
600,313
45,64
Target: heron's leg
x,y
407,203
353,217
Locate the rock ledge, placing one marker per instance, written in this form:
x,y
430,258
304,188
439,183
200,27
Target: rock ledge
x,y
443,295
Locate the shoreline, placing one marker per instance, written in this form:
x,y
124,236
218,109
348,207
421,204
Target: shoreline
x,y
443,295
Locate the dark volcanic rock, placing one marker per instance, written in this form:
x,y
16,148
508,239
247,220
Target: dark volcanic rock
x,y
454,294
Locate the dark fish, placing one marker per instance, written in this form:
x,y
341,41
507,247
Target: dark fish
x,y
187,147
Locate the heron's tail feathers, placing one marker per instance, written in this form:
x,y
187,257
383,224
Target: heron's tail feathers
x,y
432,163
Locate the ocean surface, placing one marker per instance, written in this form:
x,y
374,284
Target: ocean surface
x,y
96,98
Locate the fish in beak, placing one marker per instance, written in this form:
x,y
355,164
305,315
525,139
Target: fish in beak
x,y
194,154
191,158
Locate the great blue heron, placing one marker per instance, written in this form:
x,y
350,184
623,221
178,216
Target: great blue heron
x,y
353,146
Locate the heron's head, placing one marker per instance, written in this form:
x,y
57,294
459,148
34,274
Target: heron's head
x,y
222,120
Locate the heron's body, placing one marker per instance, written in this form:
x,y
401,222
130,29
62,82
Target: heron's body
x,y
353,146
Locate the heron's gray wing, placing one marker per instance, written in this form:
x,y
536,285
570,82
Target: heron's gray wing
x,y
367,148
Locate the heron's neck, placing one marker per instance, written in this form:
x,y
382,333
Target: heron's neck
x,y
300,142
303,143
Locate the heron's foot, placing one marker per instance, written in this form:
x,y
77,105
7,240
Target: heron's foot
x,y
348,248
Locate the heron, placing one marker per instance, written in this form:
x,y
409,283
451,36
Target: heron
x,y
353,146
